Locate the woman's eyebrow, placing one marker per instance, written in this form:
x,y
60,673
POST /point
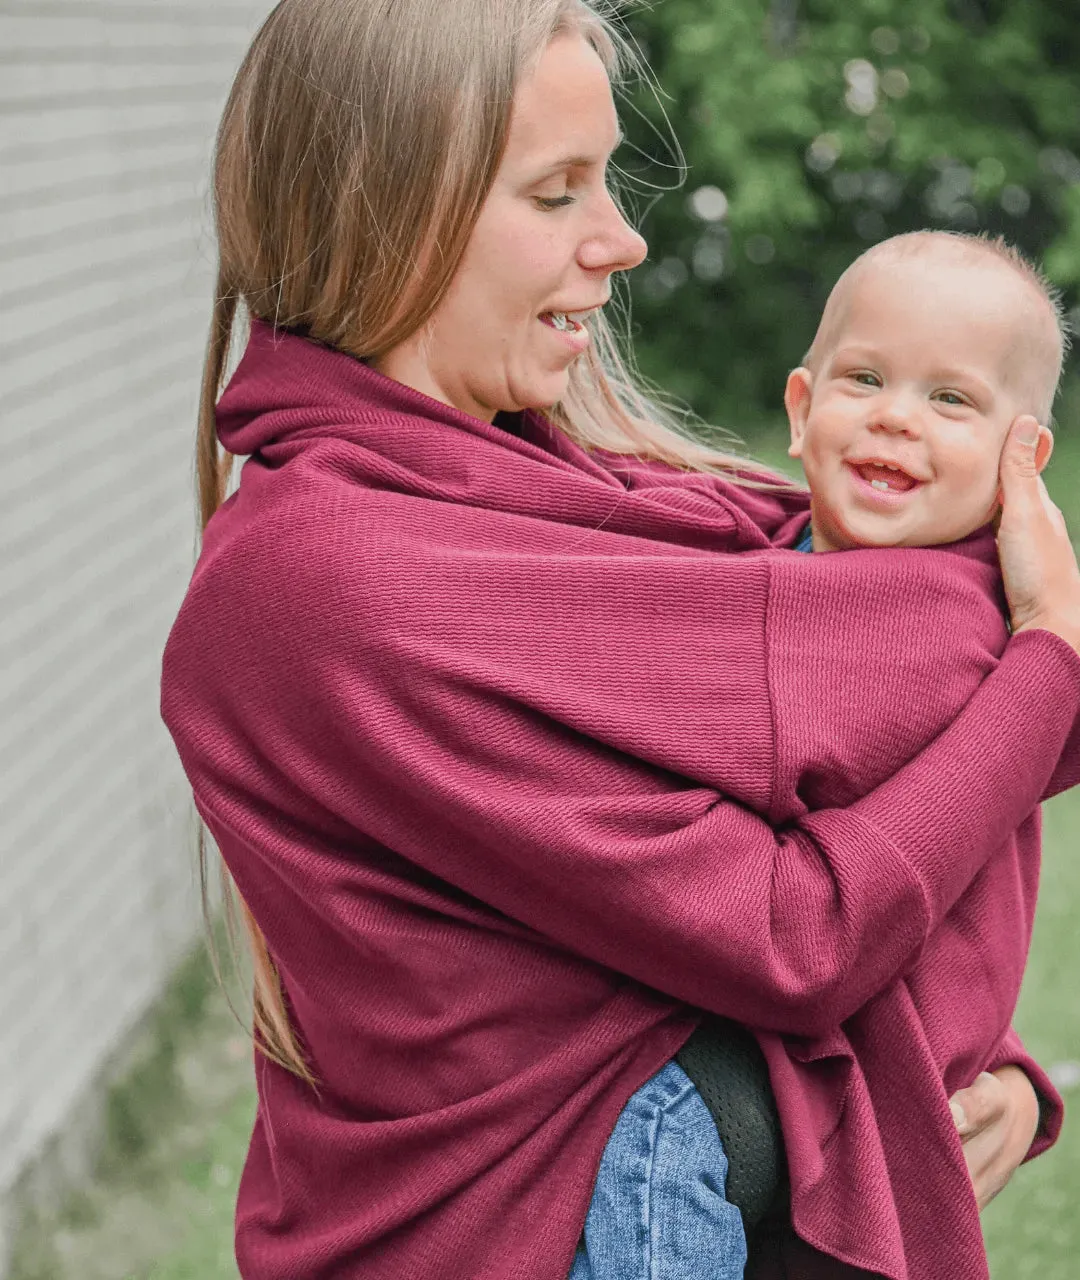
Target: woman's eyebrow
x,y
582,161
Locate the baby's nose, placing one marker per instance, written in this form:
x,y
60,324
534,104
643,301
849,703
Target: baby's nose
x,y
898,413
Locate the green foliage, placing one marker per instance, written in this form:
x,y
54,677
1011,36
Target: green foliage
x,y
827,126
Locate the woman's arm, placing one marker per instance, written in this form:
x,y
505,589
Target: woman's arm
x,y
667,882
371,678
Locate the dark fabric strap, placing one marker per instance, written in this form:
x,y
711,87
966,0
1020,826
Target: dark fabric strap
x,y
728,1069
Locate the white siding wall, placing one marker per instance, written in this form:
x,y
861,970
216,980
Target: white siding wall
x,y
107,113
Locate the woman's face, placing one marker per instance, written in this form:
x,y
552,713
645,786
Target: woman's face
x,y
547,241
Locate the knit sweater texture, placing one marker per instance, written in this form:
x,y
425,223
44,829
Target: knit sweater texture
x,y
522,756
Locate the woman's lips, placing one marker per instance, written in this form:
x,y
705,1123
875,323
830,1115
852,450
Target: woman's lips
x,y
575,335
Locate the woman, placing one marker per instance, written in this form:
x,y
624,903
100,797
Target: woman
x,y
464,689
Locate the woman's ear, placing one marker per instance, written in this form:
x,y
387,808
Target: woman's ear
x,y
1044,447
800,385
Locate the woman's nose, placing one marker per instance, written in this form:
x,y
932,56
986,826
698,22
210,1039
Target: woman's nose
x,y
615,245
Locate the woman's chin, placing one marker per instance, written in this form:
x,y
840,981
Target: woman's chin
x,y
542,392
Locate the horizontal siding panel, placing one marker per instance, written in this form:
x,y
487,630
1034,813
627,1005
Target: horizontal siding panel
x,y
104,485
63,711
100,818
53,320
16,109
58,135
131,573
64,250
56,322
61,273
147,14
68,216
39,87
130,335
105,47
107,119
103,388
98,163
56,633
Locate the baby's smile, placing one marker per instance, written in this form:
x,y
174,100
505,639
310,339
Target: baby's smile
x,y
884,477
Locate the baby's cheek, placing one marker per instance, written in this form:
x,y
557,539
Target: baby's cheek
x,y
972,496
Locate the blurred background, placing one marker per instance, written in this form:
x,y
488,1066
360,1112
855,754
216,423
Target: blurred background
x,y
810,129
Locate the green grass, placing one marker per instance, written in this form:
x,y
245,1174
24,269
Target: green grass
x,y
176,1128
1032,1229
207,1252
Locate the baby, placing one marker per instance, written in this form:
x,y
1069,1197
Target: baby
x,y
930,346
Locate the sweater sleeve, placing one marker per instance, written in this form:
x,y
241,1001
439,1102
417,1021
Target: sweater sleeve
x,y
1067,773
1011,1052
583,741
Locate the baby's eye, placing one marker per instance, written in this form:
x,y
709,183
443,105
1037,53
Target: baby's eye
x,y
865,378
951,398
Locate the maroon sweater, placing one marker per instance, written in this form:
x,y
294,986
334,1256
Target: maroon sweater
x,y
520,756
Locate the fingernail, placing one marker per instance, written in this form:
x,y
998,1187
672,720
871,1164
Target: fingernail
x,y
958,1114
1028,435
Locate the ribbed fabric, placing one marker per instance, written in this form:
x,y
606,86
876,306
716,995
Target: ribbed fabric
x,y
520,755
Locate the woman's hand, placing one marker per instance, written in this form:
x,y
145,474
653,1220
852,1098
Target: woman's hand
x,y
997,1117
1038,565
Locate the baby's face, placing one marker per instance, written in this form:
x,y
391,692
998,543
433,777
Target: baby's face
x,y
900,428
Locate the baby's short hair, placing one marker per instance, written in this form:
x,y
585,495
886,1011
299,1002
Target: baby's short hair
x,y
973,247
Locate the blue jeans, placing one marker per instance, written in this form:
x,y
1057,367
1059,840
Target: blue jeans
x,y
658,1210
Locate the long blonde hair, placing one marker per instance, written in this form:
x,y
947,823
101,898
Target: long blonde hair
x,y
353,157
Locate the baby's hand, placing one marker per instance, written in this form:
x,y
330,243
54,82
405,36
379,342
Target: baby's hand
x,y
1038,564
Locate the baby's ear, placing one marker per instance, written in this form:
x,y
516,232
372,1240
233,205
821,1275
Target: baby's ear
x,y
800,385
1044,447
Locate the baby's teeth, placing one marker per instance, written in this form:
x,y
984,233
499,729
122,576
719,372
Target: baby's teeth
x,y
879,484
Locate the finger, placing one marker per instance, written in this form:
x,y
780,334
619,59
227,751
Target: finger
x,y
982,1102
1018,467
978,1156
982,1155
959,1115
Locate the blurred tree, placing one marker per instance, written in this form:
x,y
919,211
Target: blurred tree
x,y
811,129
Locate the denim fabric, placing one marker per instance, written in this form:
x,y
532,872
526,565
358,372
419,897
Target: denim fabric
x,y
658,1210
806,540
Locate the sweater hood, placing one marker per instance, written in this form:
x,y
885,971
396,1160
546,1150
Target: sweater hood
x,y
289,394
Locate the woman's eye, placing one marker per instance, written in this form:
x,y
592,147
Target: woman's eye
x,y
554,202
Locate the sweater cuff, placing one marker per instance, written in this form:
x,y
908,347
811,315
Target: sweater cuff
x,y
1011,1052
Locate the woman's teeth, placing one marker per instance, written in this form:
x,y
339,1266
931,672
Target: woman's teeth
x,y
565,321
